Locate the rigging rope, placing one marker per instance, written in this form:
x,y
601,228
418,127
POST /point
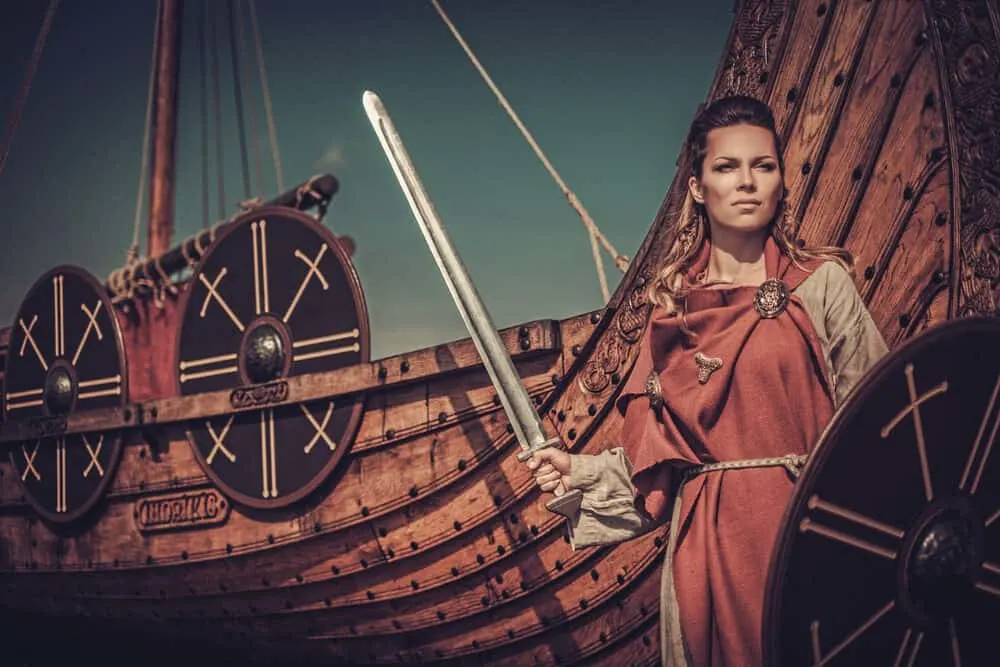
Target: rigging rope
x,y
220,166
596,236
245,74
29,75
203,81
271,132
238,93
132,254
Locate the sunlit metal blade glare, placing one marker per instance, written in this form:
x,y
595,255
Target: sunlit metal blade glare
x,y
510,390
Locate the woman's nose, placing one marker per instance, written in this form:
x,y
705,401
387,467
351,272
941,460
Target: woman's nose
x,y
747,180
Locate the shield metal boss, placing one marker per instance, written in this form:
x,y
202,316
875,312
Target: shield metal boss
x,y
889,551
274,297
65,355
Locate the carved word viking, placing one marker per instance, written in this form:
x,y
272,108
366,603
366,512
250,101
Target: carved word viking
x,y
264,394
181,510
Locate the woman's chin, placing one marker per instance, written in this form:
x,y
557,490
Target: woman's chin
x,y
744,225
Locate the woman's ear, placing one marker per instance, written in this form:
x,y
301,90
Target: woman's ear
x,y
695,188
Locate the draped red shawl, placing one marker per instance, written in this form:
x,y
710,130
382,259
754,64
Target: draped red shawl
x,y
768,398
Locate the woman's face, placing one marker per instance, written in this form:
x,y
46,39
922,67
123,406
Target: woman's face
x,y
741,184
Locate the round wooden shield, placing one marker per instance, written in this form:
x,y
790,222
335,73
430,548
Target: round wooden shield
x,y
275,296
65,355
889,553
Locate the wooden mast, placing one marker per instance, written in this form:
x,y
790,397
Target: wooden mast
x,y
161,191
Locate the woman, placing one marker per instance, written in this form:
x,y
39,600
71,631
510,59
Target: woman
x,y
752,344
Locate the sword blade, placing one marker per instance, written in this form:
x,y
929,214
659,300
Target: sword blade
x,y
513,396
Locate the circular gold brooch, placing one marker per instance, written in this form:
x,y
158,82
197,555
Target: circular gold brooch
x,y
771,298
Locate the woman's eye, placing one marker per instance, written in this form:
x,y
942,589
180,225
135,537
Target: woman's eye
x,y
723,167
767,166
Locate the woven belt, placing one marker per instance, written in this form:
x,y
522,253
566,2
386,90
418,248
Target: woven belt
x,y
791,462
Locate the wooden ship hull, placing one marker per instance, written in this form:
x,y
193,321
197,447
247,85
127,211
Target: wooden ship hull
x,y
422,537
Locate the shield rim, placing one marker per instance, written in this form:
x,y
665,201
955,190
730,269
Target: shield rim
x,y
354,420
774,588
100,493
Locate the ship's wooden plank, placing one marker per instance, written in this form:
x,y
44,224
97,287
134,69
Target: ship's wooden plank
x,y
368,601
567,599
808,140
234,606
911,158
403,412
896,220
373,484
915,266
172,548
807,36
635,644
936,312
493,590
541,337
618,617
153,578
175,467
879,90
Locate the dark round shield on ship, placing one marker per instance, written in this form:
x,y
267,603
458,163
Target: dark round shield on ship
x,y
889,551
274,297
65,355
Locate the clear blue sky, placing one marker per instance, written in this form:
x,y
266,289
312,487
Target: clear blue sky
x,y
607,89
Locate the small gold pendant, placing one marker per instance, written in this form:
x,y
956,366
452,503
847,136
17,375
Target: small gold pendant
x,y
706,366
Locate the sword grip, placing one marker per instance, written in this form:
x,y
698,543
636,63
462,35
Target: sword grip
x,y
568,504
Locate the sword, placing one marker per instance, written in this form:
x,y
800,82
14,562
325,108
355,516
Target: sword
x,y
513,396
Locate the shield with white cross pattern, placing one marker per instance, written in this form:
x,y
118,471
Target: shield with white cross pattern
x,y
65,355
889,551
275,296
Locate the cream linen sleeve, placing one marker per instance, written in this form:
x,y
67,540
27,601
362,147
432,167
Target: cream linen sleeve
x,y
607,513
856,344
851,342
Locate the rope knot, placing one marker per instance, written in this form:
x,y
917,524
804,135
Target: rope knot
x,y
794,463
251,204
132,254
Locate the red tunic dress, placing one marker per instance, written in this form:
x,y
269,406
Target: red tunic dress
x,y
769,398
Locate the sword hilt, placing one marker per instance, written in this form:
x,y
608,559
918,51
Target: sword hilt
x,y
568,504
